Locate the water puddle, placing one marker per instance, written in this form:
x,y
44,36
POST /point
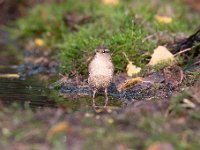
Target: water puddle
x,y
28,92
25,91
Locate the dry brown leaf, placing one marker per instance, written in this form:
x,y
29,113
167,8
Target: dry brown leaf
x,y
163,19
39,42
100,109
129,83
58,128
132,69
110,2
161,55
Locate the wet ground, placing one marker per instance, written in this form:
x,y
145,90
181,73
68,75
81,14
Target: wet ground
x,y
28,91
22,80
150,118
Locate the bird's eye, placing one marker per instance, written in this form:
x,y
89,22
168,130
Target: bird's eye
x,y
104,51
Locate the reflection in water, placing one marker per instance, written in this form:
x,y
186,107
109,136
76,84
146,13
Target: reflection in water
x,y
28,91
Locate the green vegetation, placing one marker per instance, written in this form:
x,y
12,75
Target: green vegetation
x,y
129,27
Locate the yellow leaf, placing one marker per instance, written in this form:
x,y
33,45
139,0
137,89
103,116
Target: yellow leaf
x,y
110,2
39,42
58,128
163,19
129,83
88,115
161,55
110,120
16,76
132,69
5,131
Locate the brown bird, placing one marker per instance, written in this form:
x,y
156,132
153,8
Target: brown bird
x,y
101,72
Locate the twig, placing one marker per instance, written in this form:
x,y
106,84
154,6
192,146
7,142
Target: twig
x,y
125,56
147,38
183,51
197,62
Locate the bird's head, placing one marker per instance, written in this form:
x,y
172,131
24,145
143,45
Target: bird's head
x,y
102,52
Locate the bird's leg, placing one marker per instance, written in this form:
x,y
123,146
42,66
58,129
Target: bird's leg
x,y
93,97
106,95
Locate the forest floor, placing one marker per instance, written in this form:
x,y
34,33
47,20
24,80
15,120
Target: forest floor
x,y
53,42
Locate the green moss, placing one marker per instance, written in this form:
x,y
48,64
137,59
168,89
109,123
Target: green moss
x,y
121,28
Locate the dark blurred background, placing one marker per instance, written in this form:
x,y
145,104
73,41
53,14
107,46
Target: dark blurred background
x,y
12,9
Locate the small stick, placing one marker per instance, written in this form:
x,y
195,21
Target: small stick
x,y
126,56
196,63
148,37
183,51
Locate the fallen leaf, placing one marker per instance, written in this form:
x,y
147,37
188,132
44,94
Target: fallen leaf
x,y
110,120
129,83
39,42
132,69
99,109
163,19
188,104
88,115
58,128
110,2
160,146
6,131
16,76
161,55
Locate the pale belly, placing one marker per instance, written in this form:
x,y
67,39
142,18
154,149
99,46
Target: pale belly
x,y
102,69
99,81
100,73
